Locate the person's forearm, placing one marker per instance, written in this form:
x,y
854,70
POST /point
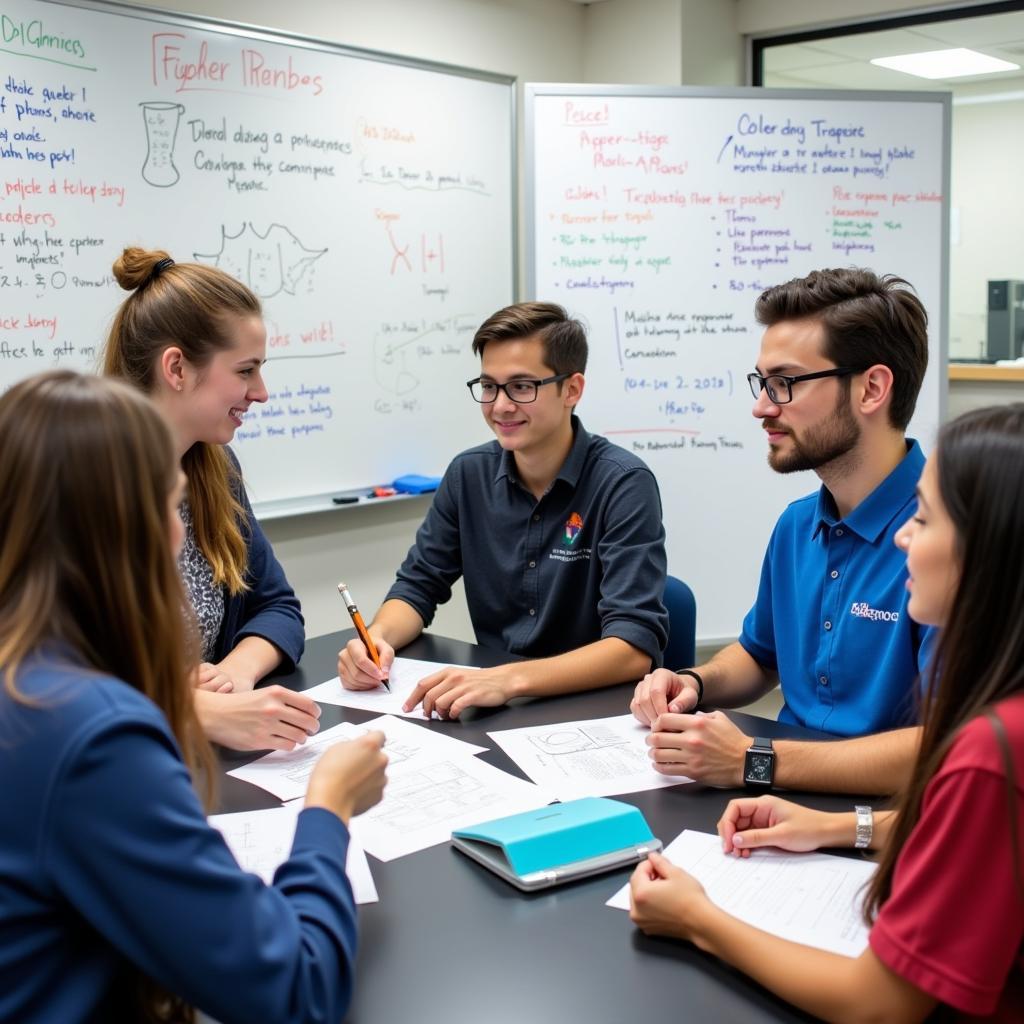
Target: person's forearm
x,y
833,987
881,763
732,678
602,663
252,658
397,622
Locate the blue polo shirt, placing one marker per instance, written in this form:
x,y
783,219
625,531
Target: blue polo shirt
x,y
831,612
585,562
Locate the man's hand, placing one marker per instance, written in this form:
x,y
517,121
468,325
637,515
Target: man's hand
x,y
708,748
356,668
452,690
661,692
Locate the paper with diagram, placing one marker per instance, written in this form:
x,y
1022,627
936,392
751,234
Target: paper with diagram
x,y
811,898
426,799
285,773
602,757
405,674
262,840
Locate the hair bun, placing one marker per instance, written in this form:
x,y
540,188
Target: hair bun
x,y
134,267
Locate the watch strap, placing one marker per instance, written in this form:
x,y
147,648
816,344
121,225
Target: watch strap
x,y
865,827
700,683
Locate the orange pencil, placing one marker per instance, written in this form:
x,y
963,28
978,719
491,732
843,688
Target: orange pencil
x,y
364,633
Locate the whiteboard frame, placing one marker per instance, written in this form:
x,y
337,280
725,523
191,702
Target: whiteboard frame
x,y
288,507
940,317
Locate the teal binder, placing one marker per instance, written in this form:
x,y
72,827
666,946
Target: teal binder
x,y
560,842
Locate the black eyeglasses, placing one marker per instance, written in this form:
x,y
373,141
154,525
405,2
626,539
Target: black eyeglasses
x,y
522,392
780,387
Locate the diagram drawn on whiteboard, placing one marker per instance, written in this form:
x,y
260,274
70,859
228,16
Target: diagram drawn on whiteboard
x,y
162,120
399,346
269,263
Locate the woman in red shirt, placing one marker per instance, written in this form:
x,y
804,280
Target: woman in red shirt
x,y
947,902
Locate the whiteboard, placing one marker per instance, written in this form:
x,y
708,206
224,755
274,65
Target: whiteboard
x,y
367,200
659,215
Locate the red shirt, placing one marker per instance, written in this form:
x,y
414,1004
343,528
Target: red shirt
x,y
954,924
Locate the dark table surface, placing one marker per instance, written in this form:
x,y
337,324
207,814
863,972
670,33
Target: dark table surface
x,y
450,942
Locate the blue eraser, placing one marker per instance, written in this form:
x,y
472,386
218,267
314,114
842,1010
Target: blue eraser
x,y
413,483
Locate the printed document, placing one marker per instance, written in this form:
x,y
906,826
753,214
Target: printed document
x,y
405,674
603,757
285,773
262,840
426,799
811,898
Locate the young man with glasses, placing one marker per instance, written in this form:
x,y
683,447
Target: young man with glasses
x,y
556,533
841,364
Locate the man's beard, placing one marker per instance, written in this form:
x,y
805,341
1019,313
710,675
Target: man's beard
x,y
835,437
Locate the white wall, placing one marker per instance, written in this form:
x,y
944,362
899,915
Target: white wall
x,y
767,17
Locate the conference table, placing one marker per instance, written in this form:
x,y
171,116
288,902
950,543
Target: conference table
x,y
451,942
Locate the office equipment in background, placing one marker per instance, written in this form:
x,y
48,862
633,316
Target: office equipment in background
x,y
367,199
659,214
1005,339
559,843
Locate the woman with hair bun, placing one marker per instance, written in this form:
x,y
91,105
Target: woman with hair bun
x,y
192,338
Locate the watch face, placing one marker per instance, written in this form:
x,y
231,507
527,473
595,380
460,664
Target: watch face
x,y
759,768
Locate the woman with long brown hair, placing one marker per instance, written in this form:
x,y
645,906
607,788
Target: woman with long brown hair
x,y
192,338
947,902
117,900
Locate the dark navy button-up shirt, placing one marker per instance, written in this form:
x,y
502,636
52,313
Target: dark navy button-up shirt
x,y
831,612
586,561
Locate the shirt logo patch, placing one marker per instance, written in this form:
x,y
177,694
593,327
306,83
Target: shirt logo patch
x,y
573,528
864,611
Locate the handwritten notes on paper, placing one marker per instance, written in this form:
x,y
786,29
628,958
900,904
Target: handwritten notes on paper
x,y
286,773
262,840
811,898
405,675
602,757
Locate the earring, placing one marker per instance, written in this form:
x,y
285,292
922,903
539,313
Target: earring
x,y
180,386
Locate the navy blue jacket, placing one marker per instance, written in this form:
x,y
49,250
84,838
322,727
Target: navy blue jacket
x,y
107,864
269,608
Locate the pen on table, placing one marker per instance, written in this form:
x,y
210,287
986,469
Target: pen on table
x,y
364,634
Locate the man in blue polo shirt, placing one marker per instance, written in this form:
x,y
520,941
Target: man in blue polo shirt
x,y
556,533
840,368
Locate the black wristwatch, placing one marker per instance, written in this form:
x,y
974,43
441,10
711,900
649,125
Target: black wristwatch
x,y
759,765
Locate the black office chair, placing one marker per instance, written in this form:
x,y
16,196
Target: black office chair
x,y
681,651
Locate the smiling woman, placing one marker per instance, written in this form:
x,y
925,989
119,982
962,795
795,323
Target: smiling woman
x,y
192,338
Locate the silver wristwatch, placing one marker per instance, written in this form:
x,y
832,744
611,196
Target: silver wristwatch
x,y
865,827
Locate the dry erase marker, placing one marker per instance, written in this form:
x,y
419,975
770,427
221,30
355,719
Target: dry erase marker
x,y
364,634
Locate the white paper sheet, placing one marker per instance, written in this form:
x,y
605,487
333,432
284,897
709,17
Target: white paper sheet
x,y
425,801
405,674
811,898
602,757
262,840
286,773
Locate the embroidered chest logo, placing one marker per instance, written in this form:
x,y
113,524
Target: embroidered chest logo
x,y
573,528
864,611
